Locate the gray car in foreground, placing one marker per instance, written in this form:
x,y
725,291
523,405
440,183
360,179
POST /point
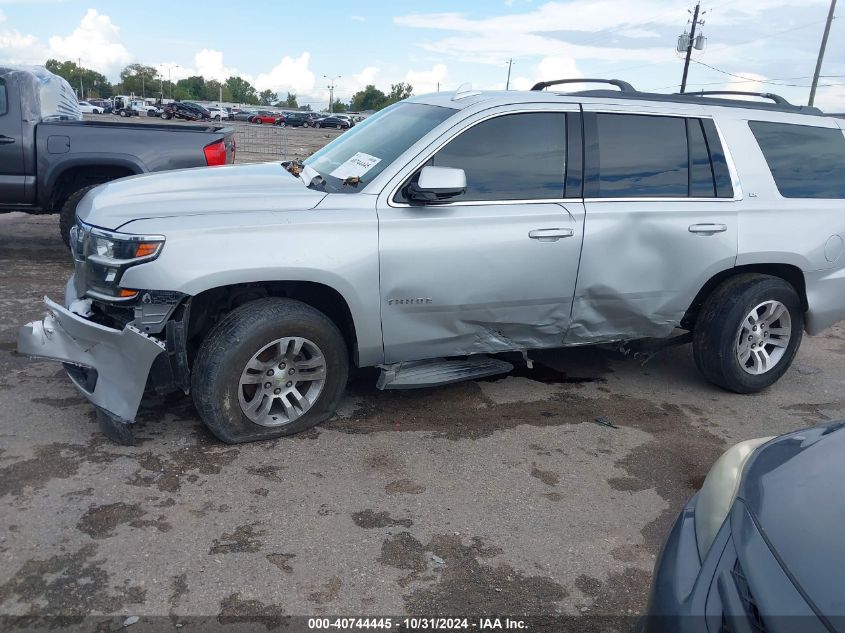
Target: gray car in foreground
x,y
447,229
760,547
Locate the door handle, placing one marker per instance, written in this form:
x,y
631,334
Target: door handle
x,y
6,140
550,235
707,229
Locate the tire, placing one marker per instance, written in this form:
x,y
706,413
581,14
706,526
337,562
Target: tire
x,y
716,338
165,116
67,213
237,340
258,121
339,126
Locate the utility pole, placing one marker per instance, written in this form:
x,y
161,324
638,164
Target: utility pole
x,y
331,91
508,82
81,91
689,47
821,52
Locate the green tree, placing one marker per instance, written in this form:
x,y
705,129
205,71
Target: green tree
x,y
338,106
399,91
290,101
241,91
267,97
212,91
93,83
193,86
139,80
370,98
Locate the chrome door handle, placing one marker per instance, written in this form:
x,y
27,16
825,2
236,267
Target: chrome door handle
x,y
550,235
707,229
6,140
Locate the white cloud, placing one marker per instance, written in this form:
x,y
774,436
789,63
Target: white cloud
x,y
291,74
424,81
357,18
96,41
209,64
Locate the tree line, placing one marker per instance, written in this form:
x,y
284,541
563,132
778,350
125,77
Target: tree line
x,y
147,81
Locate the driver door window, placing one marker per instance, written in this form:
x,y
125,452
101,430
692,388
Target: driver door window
x,y
511,157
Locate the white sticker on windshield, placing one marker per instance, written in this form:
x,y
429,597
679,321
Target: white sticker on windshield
x,y
356,166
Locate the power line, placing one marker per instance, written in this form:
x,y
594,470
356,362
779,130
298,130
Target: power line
x,y
775,82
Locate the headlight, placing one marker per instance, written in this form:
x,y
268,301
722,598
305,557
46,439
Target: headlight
x,y
718,493
104,256
122,248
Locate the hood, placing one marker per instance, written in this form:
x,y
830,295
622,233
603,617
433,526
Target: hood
x,y
199,191
794,488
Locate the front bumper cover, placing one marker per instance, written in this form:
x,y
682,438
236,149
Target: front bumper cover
x,y
121,358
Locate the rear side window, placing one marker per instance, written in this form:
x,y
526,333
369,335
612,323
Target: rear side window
x,y
511,157
805,161
643,156
4,106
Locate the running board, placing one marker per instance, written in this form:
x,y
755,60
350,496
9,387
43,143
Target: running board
x,y
439,371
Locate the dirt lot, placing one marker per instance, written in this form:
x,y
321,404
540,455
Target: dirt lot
x,y
502,496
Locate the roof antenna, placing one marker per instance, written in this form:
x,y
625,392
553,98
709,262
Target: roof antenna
x,y
465,90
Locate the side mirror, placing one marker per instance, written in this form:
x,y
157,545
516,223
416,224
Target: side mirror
x,y
437,184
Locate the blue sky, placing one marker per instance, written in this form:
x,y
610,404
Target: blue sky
x,y
763,45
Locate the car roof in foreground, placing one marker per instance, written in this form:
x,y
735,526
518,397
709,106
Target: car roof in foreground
x,y
640,101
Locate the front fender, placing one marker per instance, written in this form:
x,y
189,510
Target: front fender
x,y
338,249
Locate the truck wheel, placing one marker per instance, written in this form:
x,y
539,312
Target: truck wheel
x,y
67,213
748,332
270,368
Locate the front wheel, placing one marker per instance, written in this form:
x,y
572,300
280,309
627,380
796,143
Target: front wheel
x,y
748,332
258,121
270,368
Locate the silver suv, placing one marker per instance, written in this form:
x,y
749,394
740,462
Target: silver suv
x,y
450,227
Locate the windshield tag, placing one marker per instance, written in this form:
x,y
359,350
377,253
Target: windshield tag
x,y
356,166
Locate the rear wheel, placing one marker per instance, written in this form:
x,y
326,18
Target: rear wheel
x,y
270,368
748,332
257,121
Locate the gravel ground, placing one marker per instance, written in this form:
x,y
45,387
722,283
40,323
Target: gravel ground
x,y
501,496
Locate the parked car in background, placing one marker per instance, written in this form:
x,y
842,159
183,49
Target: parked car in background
x,y
104,105
265,116
335,121
293,119
218,114
760,547
311,118
51,158
184,110
621,216
243,115
89,108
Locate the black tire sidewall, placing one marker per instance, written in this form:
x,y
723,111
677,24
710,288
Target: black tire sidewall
x,y
720,336
67,212
234,341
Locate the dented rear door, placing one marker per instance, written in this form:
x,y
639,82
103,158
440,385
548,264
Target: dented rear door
x,y
495,269
661,219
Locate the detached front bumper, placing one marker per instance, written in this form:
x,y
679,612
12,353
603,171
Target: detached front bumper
x,y
113,364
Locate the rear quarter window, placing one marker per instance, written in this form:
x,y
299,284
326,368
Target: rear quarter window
x,y
805,161
4,104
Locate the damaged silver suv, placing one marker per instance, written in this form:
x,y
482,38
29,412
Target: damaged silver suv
x,y
447,229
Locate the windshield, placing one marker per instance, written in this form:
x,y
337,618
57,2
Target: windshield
x,y
359,155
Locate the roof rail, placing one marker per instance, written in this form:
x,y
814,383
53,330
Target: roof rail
x,y
763,95
623,86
